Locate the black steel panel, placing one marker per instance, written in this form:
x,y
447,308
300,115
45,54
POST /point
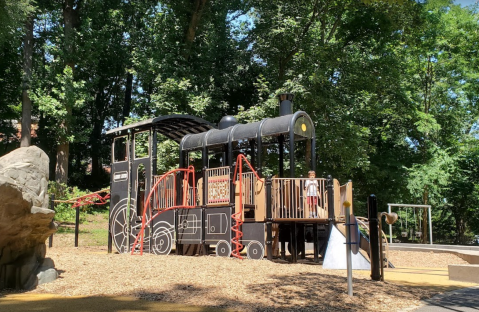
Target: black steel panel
x,y
253,231
163,234
253,240
119,209
189,226
218,225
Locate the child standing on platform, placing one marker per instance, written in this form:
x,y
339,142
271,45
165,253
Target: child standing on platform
x,y
311,187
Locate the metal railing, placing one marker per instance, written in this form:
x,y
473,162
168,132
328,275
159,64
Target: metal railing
x,y
164,195
297,198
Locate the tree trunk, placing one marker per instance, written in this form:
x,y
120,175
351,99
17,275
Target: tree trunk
x,y
27,77
424,226
127,105
95,138
198,7
460,229
61,169
70,19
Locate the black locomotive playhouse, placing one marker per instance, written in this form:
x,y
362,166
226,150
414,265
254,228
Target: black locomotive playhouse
x,y
198,208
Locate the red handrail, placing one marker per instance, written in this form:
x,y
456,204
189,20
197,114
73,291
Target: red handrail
x,y
189,171
238,216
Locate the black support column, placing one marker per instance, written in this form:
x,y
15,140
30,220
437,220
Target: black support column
x,y
269,219
374,238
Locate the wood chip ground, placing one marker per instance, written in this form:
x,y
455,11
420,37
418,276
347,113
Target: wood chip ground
x,y
246,285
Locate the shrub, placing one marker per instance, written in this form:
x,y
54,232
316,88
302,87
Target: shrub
x,y
64,211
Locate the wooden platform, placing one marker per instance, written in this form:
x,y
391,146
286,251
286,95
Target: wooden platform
x,y
301,220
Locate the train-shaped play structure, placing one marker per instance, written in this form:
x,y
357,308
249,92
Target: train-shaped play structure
x,y
235,192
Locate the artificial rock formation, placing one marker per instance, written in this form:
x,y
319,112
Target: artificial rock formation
x,y
25,220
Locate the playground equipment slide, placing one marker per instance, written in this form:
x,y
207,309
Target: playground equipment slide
x,y
337,250
335,258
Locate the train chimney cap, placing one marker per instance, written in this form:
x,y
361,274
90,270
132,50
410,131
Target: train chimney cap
x,y
286,96
227,121
285,104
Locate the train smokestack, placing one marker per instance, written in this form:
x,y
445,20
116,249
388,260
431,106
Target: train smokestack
x,y
286,104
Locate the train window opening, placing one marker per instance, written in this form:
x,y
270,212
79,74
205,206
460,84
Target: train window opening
x,y
140,189
120,150
216,159
142,144
167,152
195,159
302,156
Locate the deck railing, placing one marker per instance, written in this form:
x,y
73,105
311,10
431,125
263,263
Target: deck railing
x,y
164,195
249,188
290,198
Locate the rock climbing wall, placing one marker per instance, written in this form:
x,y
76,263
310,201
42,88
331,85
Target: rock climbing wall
x,y
25,220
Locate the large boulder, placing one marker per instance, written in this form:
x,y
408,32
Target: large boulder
x,y
25,220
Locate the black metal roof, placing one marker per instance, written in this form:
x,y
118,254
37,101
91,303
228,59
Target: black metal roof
x,y
298,124
174,127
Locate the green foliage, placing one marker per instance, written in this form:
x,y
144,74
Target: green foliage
x,y
391,86
64,211
13,14
68,95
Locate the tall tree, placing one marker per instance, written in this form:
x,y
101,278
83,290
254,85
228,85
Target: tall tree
x,y
27,77
71,20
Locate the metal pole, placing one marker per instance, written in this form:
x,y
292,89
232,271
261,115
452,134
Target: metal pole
x,y
390,228
373,238
381,247
269,219
348,253
281,155
430,225
77,224
315,242
293,242
52,207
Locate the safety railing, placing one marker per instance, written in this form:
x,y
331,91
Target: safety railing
x,y
218,186
299,198
248,188
164,195
184,202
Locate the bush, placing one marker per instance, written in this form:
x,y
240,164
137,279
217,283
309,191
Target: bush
x,y
64,211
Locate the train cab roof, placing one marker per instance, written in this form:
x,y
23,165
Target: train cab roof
x,y
297,126
174,127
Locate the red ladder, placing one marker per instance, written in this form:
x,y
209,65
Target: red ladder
x,y
236,228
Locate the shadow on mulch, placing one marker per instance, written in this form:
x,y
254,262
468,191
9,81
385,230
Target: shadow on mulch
x,y
299,293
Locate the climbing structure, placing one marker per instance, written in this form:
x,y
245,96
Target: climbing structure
x,y
221,199
153,208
